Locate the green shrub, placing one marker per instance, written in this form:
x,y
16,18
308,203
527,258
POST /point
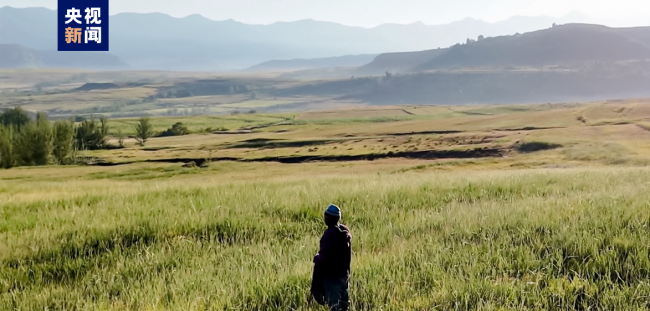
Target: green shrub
x,y
7,159
32,144
178,129
37,143
63,141
91,134
143,130
16,117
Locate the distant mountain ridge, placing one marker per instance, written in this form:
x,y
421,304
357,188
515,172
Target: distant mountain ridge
x,y
573,43
563,44
197,43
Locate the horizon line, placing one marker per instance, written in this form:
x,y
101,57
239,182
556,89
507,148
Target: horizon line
x,y
333,22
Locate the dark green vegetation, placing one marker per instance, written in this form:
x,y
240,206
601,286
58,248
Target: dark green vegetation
x,y
524,240
143,130
24,142
28,142
92,134
178,129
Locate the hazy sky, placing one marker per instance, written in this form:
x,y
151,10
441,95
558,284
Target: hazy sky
x,y
369,13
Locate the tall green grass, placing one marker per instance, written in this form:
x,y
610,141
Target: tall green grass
x,y
525,240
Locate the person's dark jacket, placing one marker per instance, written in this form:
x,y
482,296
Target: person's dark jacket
x,y
335,253
333,259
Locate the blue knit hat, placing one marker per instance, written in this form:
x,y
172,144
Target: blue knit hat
x,y
333,211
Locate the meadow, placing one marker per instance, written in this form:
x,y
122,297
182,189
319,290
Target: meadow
x,y
241,237
558,219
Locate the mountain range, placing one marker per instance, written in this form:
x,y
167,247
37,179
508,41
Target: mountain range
x,y
159,41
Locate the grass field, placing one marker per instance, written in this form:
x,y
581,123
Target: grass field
x,y
57,92
241,236
200,123
340,132
559,219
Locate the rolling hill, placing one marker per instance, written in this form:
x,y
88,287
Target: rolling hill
x,y
399,62
564,44
302,64
567,44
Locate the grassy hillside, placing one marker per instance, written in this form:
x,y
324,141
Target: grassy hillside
x,y
497,136
399,62
556,219
566,44
239,236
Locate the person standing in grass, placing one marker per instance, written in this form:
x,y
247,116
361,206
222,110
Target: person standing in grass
x,y
332,263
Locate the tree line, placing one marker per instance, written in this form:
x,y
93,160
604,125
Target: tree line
x,y
27,141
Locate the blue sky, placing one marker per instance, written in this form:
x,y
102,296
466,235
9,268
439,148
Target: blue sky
x,y
368,13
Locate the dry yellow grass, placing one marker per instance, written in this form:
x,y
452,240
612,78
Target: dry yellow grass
x,y
356,112
554,124
617,111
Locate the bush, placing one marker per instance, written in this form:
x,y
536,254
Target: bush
x,y
63,141
91,134
143,130
7,159
26,143
16,117
178,129
32,144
